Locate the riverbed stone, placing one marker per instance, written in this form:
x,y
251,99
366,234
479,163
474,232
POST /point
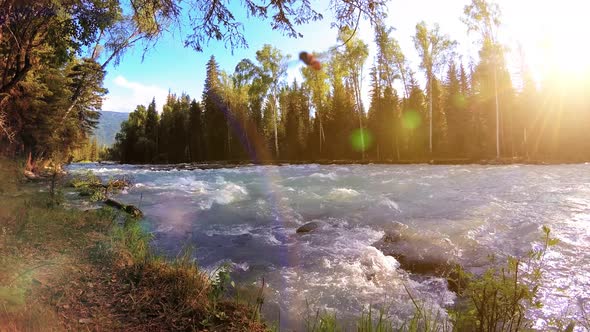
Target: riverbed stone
x,y
420,253
310,226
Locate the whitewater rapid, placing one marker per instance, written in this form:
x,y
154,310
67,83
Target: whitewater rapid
x,y
247,217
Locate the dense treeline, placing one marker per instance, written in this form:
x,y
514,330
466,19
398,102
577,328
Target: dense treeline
x,y
463,112
54,53
90,151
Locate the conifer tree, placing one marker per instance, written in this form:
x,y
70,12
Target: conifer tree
x,y
195,132
151,130
214,114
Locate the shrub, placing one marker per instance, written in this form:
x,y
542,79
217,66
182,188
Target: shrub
x,y
498,300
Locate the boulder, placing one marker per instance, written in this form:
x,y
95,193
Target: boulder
x,y
310,226
420,252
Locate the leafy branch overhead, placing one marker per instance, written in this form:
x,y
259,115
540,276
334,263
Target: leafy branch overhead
x,y
216,21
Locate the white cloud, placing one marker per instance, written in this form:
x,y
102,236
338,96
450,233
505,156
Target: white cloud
x,y
125,95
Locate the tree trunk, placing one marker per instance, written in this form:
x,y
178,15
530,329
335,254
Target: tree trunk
x,y
497,112
430,113
274,111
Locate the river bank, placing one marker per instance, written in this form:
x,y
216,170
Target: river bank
x,y
454,161
92,269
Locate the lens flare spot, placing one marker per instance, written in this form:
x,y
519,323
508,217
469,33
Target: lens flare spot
x,y
361,139
459,101
411,119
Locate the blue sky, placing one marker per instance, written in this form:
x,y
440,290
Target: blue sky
x,y
171,67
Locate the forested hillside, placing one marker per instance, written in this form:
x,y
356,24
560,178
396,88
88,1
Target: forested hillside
x,y
109,125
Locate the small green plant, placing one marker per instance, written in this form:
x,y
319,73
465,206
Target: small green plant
x,y
220,282
90,185
22,219
132,237
85,180
318,321
584,320
498,300
425,318
256,309
369,322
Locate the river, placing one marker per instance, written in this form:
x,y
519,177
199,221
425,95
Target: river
x,y
247,217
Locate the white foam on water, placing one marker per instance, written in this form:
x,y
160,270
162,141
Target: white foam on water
x,y
343,283
342,193
389,204
213,270
233,230
229,193
330,176
268,237
189,184
309,195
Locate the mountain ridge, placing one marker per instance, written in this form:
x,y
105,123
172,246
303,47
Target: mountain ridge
x,y
108,126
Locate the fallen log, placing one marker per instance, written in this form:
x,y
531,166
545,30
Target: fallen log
x,y
30,175
132,210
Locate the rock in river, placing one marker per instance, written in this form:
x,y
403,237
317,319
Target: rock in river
x,y
420,252
310,226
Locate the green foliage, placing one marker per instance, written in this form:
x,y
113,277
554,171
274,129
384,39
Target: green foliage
x,y
369,322
90,185
85,180
133,238
499,299
220,282
318,321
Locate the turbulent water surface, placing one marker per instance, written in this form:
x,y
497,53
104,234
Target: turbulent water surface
x,y
247,217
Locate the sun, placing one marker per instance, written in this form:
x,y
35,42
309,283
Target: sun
x,y
555,34
568,53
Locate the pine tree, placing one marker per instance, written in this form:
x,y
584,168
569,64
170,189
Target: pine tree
x,y
93,150
178,136
414,124
316,84
165,129
433,48
195,132
296,122
151,130
391,119
455,108
214,114
375,115
353,59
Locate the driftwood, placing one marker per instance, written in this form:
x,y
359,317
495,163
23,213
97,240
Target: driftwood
x,y
132,210
30,175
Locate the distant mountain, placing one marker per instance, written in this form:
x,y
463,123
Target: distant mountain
x,y
109,126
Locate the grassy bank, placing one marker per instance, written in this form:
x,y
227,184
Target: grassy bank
x,y
66,269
